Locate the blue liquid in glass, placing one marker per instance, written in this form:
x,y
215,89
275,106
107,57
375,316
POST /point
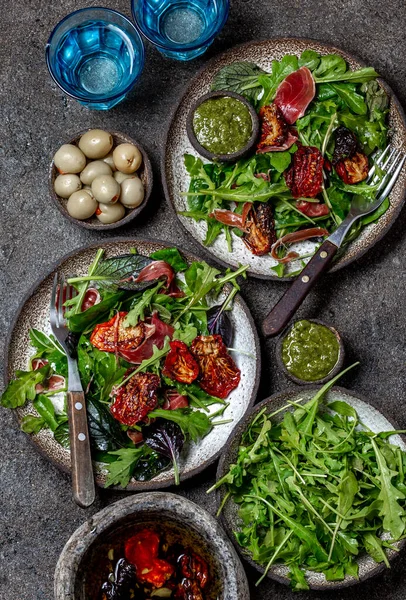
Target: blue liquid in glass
x,y
95,58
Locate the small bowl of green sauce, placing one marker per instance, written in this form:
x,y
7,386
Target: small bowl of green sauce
x,y
310,352
222,126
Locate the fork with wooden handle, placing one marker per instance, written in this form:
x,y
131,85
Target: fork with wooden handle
x,y
286,307
82,469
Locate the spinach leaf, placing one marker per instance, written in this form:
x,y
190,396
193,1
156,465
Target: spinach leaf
x,y
150,465
22,388
43,405
173,257
167,439
309,59
32,424
61,434
240,77
89,318
105,432
280,160
192,422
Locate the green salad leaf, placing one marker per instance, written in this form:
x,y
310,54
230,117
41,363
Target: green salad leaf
x,y
22,388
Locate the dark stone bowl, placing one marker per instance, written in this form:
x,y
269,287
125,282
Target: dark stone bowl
x,y
144,173
222,157
334,371
184,520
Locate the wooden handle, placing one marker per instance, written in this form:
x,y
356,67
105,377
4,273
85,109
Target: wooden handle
x,y
286,307
81,460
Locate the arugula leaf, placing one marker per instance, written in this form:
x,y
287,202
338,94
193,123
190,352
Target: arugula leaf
x,y
120,471
280,160
374,548
192,422
309,59
22,388
391,511
246,193
137,312
172,256
43,343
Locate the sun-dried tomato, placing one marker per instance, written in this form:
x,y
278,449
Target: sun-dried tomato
x,y
261,232
274,128
180,364
136,398
305,176
353,170
142,551
193,566
219,374
112,336
189,589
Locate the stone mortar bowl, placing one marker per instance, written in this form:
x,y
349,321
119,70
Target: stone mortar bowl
x,y
191,523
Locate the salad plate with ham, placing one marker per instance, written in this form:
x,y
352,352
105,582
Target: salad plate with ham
x,y
168,358
325,119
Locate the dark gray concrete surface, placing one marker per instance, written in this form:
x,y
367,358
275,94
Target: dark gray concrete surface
x,y
365,301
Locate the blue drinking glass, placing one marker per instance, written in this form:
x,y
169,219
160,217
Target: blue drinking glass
x,y
95,55
181,29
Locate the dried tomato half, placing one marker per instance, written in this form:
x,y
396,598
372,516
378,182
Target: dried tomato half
x,y
193,566
353,170
180,364
219,374
261,232
136,398
274,128
112,336
142,551
305,176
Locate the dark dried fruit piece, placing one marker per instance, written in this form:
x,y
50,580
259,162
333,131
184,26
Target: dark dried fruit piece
x,y
136,398
189,589
261,233
193,566
219,374
346,144
124,582
305,176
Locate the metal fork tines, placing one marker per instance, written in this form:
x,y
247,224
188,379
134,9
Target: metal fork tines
x,y
81,461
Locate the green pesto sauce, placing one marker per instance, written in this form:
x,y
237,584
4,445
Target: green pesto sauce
x,y
310,351
222,125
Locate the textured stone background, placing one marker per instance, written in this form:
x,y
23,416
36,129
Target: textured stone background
x,y
365,301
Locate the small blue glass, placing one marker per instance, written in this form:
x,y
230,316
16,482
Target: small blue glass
x,y
180,29
95,55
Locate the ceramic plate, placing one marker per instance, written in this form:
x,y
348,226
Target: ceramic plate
x,y
176,178
369,415
34,313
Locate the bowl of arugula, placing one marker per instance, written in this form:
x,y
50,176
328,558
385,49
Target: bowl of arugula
x,y
143,316
311,488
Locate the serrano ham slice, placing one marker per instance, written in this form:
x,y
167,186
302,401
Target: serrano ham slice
x,y
295,93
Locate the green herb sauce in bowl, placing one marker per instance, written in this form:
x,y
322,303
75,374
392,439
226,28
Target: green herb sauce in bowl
x,y
222,125
311,351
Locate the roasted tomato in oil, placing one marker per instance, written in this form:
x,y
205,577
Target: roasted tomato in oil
x,y
193,566
305,176
219,374
112,336
180,364
189,589
136,398
353,170
261,232
142,551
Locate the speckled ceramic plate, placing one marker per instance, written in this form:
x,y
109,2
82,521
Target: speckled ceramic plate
x,y
34,312
176,178
369,415
182,519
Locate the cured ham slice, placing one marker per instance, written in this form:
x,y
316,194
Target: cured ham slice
x,y
157,333
160,269
295,93
296,236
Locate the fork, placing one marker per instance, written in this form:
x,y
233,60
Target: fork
x,y
82,470
286,307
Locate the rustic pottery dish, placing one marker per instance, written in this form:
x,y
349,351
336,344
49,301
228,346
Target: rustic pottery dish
x,y
337,368
369,416
34,313
222,157
176,178
188,521
144,173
